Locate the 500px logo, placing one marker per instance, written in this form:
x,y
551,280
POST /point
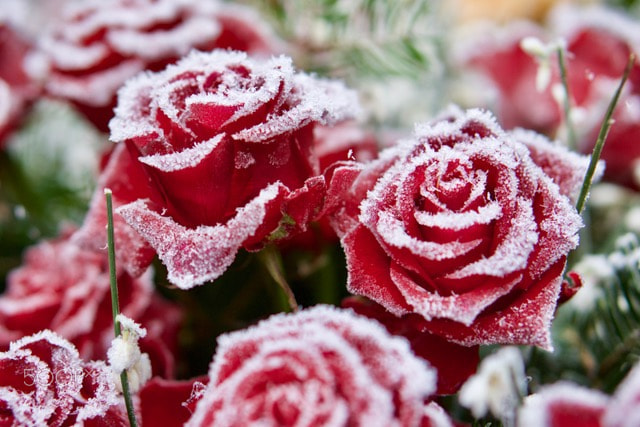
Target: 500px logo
x,y
66,375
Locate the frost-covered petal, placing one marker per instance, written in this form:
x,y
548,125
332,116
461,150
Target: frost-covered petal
x,y
194,256
563,404
44,382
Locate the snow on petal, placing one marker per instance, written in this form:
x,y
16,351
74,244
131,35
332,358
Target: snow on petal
x,y
195,256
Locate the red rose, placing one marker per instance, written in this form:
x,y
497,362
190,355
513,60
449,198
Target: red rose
x,y
461,227
97,46
599,42
44,382
17,89
317,367
221,149
566,404
64,288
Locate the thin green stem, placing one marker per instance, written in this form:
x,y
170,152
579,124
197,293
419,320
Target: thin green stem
x,y
273,263
115,306
602,136
562,63
113,278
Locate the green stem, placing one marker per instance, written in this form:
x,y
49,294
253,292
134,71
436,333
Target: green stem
x,y
273,263
602,136
567,99
115,306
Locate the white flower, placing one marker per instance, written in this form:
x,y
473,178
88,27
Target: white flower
x,y
497,386
124,354
594,270
542,52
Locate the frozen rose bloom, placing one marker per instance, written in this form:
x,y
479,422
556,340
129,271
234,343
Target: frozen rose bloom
x,y
98,45
566,404
43,381
65,288
17,88
221,153
598,43
454,363
460,226
317,367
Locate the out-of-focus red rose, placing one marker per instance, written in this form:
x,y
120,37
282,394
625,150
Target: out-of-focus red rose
x,y
43,381
98,45
566,404
454,363
461,227
220,150
317,367
17,88
599,43
64,288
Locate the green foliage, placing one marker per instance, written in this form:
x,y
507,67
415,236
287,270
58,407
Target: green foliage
x,y
370,43
597,337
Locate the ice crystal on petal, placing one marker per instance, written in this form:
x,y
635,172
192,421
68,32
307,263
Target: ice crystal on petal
x,y
183,159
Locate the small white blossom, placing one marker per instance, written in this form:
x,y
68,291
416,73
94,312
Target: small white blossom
x,y
543,53
124,354
594,270
497,386
632,219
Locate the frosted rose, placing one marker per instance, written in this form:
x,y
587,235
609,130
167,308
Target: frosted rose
x,y
317,367
460,226
566,404
44,382
17,89
64,288
219,155
98,45
599,42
